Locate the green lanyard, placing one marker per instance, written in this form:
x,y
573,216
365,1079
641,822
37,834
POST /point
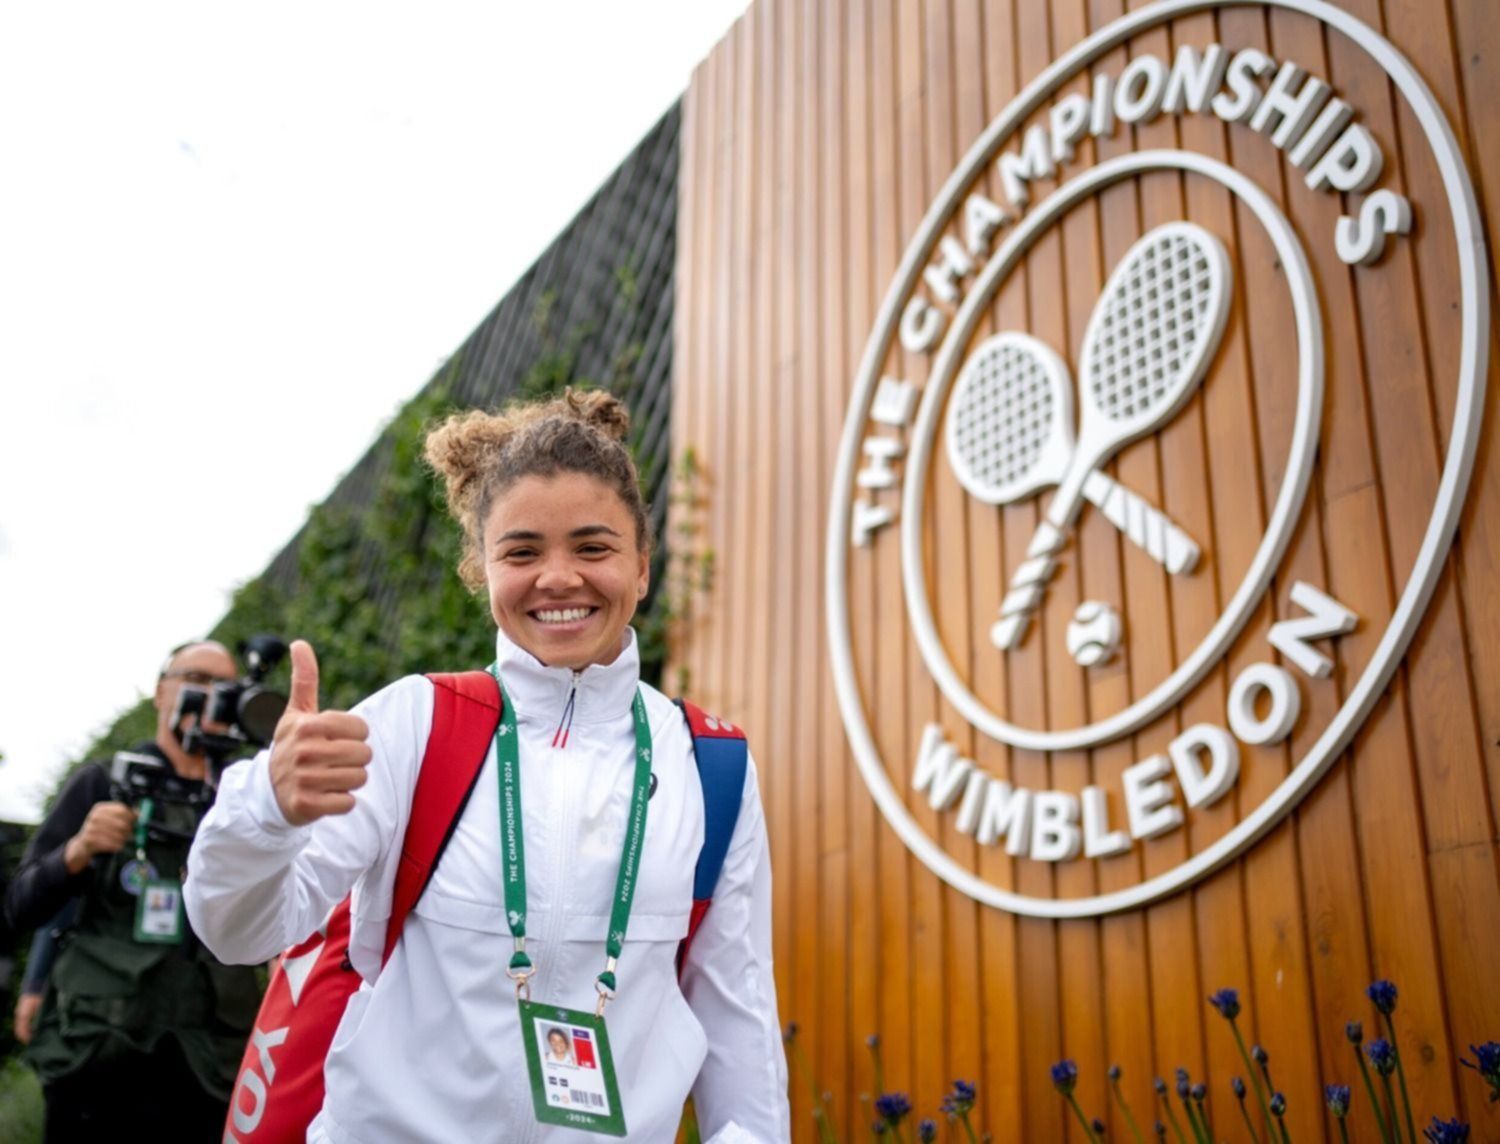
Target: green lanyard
x,y
142,824
513,845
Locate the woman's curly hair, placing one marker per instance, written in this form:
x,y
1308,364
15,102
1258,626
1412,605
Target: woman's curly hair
x,y
479,455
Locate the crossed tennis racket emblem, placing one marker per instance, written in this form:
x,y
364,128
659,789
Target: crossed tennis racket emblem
x,y
1146,348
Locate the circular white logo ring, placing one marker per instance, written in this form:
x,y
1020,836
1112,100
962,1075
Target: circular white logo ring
x,y
1289,499
1458,464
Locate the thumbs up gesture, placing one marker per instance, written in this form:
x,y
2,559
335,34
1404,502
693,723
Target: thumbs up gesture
x,y
317,757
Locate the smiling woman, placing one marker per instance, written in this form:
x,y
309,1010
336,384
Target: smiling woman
x,y
558,531
613,821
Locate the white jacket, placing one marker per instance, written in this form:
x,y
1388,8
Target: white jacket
x,y
430,1048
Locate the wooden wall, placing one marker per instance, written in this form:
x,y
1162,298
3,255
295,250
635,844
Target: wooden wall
x,y
814,139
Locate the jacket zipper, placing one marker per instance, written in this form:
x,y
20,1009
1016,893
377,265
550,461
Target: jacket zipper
x,y
560,791
565,720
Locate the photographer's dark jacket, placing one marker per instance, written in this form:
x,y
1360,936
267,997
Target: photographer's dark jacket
x,y
111,995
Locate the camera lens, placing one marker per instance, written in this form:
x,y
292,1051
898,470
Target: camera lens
x,y
260,711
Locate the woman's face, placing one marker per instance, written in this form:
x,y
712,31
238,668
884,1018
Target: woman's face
x,y
564,569
558,1042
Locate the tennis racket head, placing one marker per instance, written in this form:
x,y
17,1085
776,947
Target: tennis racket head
x,y
1009,430
1152,335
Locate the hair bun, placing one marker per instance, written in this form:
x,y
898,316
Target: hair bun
x,y
599,410
463,447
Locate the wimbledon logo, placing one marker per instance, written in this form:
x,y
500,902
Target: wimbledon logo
x,y
962,403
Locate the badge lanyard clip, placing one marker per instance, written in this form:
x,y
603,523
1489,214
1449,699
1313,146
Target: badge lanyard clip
x,y
520,969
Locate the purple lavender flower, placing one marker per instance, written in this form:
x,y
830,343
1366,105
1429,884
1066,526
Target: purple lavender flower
x,y
878,1128
1382,1055
1239,1087
1278,1104
1337,1098
872,1041
892,1107
1065,1076
1184,1086
1161,1130
927,1131
1227,1002
1098,1126
1355,1032
1383,994
1200,1092
1259,1055
1446,1131
1160,1086
1486,1063
958,1100
789,1034
1115,1073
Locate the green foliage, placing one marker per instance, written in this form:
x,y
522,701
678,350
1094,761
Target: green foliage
x,y
687,571
20,1104
377,592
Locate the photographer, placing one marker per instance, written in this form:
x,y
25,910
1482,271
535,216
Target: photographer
x,y
141,1027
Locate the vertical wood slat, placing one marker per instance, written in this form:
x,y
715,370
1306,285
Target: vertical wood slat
x,y
818,136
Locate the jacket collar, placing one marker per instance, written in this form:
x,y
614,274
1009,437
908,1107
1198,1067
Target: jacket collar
x,y
605,691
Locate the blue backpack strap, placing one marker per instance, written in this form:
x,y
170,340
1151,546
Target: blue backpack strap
x,y
723,757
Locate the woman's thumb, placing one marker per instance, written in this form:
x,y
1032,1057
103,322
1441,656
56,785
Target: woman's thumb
x,y
304,695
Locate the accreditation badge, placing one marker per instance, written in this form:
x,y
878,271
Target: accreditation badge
x,y
572,1069
158,912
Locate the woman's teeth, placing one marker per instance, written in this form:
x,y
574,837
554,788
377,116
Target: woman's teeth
x,y
562,615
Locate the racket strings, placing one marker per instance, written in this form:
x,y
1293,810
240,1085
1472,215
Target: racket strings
x,y
1151,327
1004,416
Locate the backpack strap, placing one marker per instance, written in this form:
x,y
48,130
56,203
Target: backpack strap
x,y
723,756
465,712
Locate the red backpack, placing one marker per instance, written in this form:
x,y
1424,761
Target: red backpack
x,y
280,1085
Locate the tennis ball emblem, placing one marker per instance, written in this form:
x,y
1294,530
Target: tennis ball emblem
x,y
1093,633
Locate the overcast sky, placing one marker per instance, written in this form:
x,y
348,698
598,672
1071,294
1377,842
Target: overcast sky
x,y
233,239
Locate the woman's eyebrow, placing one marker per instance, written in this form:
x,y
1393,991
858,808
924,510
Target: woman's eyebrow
x,y
517,534
592,530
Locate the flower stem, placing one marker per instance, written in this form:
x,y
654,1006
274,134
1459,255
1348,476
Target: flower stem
x,y
1088,1132
1364,1071
1343,1131
1125,1108
1254,1071
1390,1107
963,1118
1281,1125
1249,1124
1193,1126
1172,1120
820,1113
1390,1028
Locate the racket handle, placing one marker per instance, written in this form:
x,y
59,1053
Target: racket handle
x,y
1146,526
1028,586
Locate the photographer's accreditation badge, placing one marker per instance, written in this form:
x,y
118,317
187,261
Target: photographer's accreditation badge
x,y
572,1069
158,913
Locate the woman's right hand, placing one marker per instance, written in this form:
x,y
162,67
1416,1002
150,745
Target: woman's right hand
x,y
317,757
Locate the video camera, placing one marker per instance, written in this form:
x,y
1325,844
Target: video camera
x,y
244,712
134,776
